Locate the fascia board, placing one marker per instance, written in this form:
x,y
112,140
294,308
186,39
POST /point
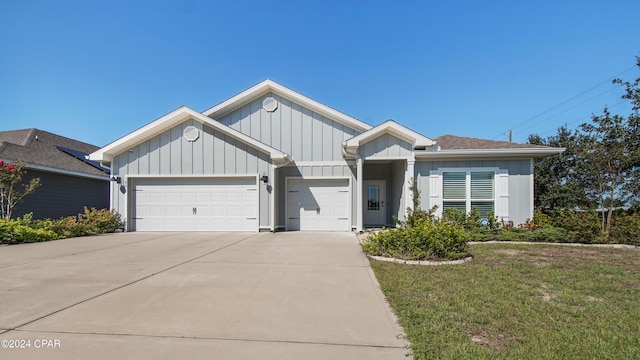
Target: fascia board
x,y
155,127
390,127
502,153
168,121
272,86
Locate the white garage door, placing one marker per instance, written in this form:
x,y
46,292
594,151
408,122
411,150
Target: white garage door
x,y
197,204
319,205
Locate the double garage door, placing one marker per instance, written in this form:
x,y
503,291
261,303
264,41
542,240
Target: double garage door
x,y
318,205
196,204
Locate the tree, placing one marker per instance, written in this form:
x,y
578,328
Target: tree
x,y
607,160
554,187
601,165
12,190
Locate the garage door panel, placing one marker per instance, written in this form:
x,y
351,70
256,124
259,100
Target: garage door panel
x,y
221,204
318,204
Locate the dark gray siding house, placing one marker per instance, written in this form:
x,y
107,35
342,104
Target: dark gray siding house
x,y
69,181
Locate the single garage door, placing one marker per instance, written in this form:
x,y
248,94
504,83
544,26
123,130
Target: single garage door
x,y
196,204
318,205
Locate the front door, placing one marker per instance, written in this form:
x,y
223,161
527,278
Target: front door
x,y
375,212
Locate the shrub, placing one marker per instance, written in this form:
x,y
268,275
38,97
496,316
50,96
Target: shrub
x,y
582,226
102,221
21,230
424,240
625,228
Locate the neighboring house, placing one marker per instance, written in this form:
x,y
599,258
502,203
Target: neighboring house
x,y
272,159
69,181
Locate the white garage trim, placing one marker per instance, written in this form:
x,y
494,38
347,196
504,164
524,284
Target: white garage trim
x,y
342,217
201,195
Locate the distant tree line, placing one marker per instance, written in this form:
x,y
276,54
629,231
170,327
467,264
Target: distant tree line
x,y
600,167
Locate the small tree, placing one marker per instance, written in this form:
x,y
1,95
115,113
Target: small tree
x,y
12,190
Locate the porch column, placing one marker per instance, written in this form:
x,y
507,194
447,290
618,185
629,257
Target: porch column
x,y
407,177
359,213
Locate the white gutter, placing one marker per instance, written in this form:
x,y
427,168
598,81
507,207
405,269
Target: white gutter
x,y
471,153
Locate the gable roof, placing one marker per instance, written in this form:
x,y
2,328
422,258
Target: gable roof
x,y
389,127
268,86
454,146
43,150
170,120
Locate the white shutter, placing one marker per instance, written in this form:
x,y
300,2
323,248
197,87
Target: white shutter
x,y
502,194
435,191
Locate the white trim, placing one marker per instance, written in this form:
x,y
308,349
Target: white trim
x,y
172,119
129,179
389,127
66,172
324,163
409,174
387,158
267,86
532,187
286,197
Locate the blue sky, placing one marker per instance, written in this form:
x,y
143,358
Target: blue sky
x,y
96,70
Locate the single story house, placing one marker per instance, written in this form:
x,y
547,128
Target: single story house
x,y
271,159
69,180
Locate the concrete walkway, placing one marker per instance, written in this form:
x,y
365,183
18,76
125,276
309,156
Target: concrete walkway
x,y
192,296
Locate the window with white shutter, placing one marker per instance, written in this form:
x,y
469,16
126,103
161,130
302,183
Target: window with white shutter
x,y
465,189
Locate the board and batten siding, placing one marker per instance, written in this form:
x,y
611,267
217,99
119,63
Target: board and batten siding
x,y
170,154
520,182
293,129
385,146
312,171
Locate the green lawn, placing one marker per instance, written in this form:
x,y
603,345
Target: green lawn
x,y
520,302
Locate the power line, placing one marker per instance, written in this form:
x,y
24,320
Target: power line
x,y
608,80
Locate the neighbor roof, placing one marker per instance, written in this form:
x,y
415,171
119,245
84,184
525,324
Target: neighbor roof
x,y
456,146
42,150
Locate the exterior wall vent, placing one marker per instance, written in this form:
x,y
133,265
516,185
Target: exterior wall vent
x,y
270,104
191,133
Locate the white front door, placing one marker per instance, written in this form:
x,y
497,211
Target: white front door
x,y
375,209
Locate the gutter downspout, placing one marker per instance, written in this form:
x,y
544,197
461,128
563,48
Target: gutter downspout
x,y
360,172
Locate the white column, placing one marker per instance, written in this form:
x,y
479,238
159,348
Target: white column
x,y
360,172
407,180
273,195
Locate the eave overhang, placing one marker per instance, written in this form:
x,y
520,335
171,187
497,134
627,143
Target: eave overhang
x,y
166,122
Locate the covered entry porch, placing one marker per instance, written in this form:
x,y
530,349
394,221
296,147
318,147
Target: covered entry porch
x,y
384,192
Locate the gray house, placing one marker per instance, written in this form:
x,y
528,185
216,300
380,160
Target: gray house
x,y
69,181
272,159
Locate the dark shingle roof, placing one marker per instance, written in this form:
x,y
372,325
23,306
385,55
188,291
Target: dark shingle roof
x,y
452,142
39,147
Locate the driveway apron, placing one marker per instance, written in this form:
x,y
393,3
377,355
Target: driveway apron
x,y
286,295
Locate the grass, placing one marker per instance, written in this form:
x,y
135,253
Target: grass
x,y
520,302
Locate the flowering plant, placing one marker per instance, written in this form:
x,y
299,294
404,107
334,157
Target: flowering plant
x,y
12,190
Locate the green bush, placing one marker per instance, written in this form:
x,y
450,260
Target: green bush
x,y
92,222
582,226
21,230
625,228
430,239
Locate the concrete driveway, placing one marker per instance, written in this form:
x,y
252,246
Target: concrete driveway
x,y
194,295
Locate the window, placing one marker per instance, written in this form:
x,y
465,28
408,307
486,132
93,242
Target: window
x,y
465,190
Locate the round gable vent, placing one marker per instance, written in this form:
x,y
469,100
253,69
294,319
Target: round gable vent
x,y
270,104
191,133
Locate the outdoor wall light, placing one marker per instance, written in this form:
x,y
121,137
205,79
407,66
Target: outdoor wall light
x,y
264,179
116,179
